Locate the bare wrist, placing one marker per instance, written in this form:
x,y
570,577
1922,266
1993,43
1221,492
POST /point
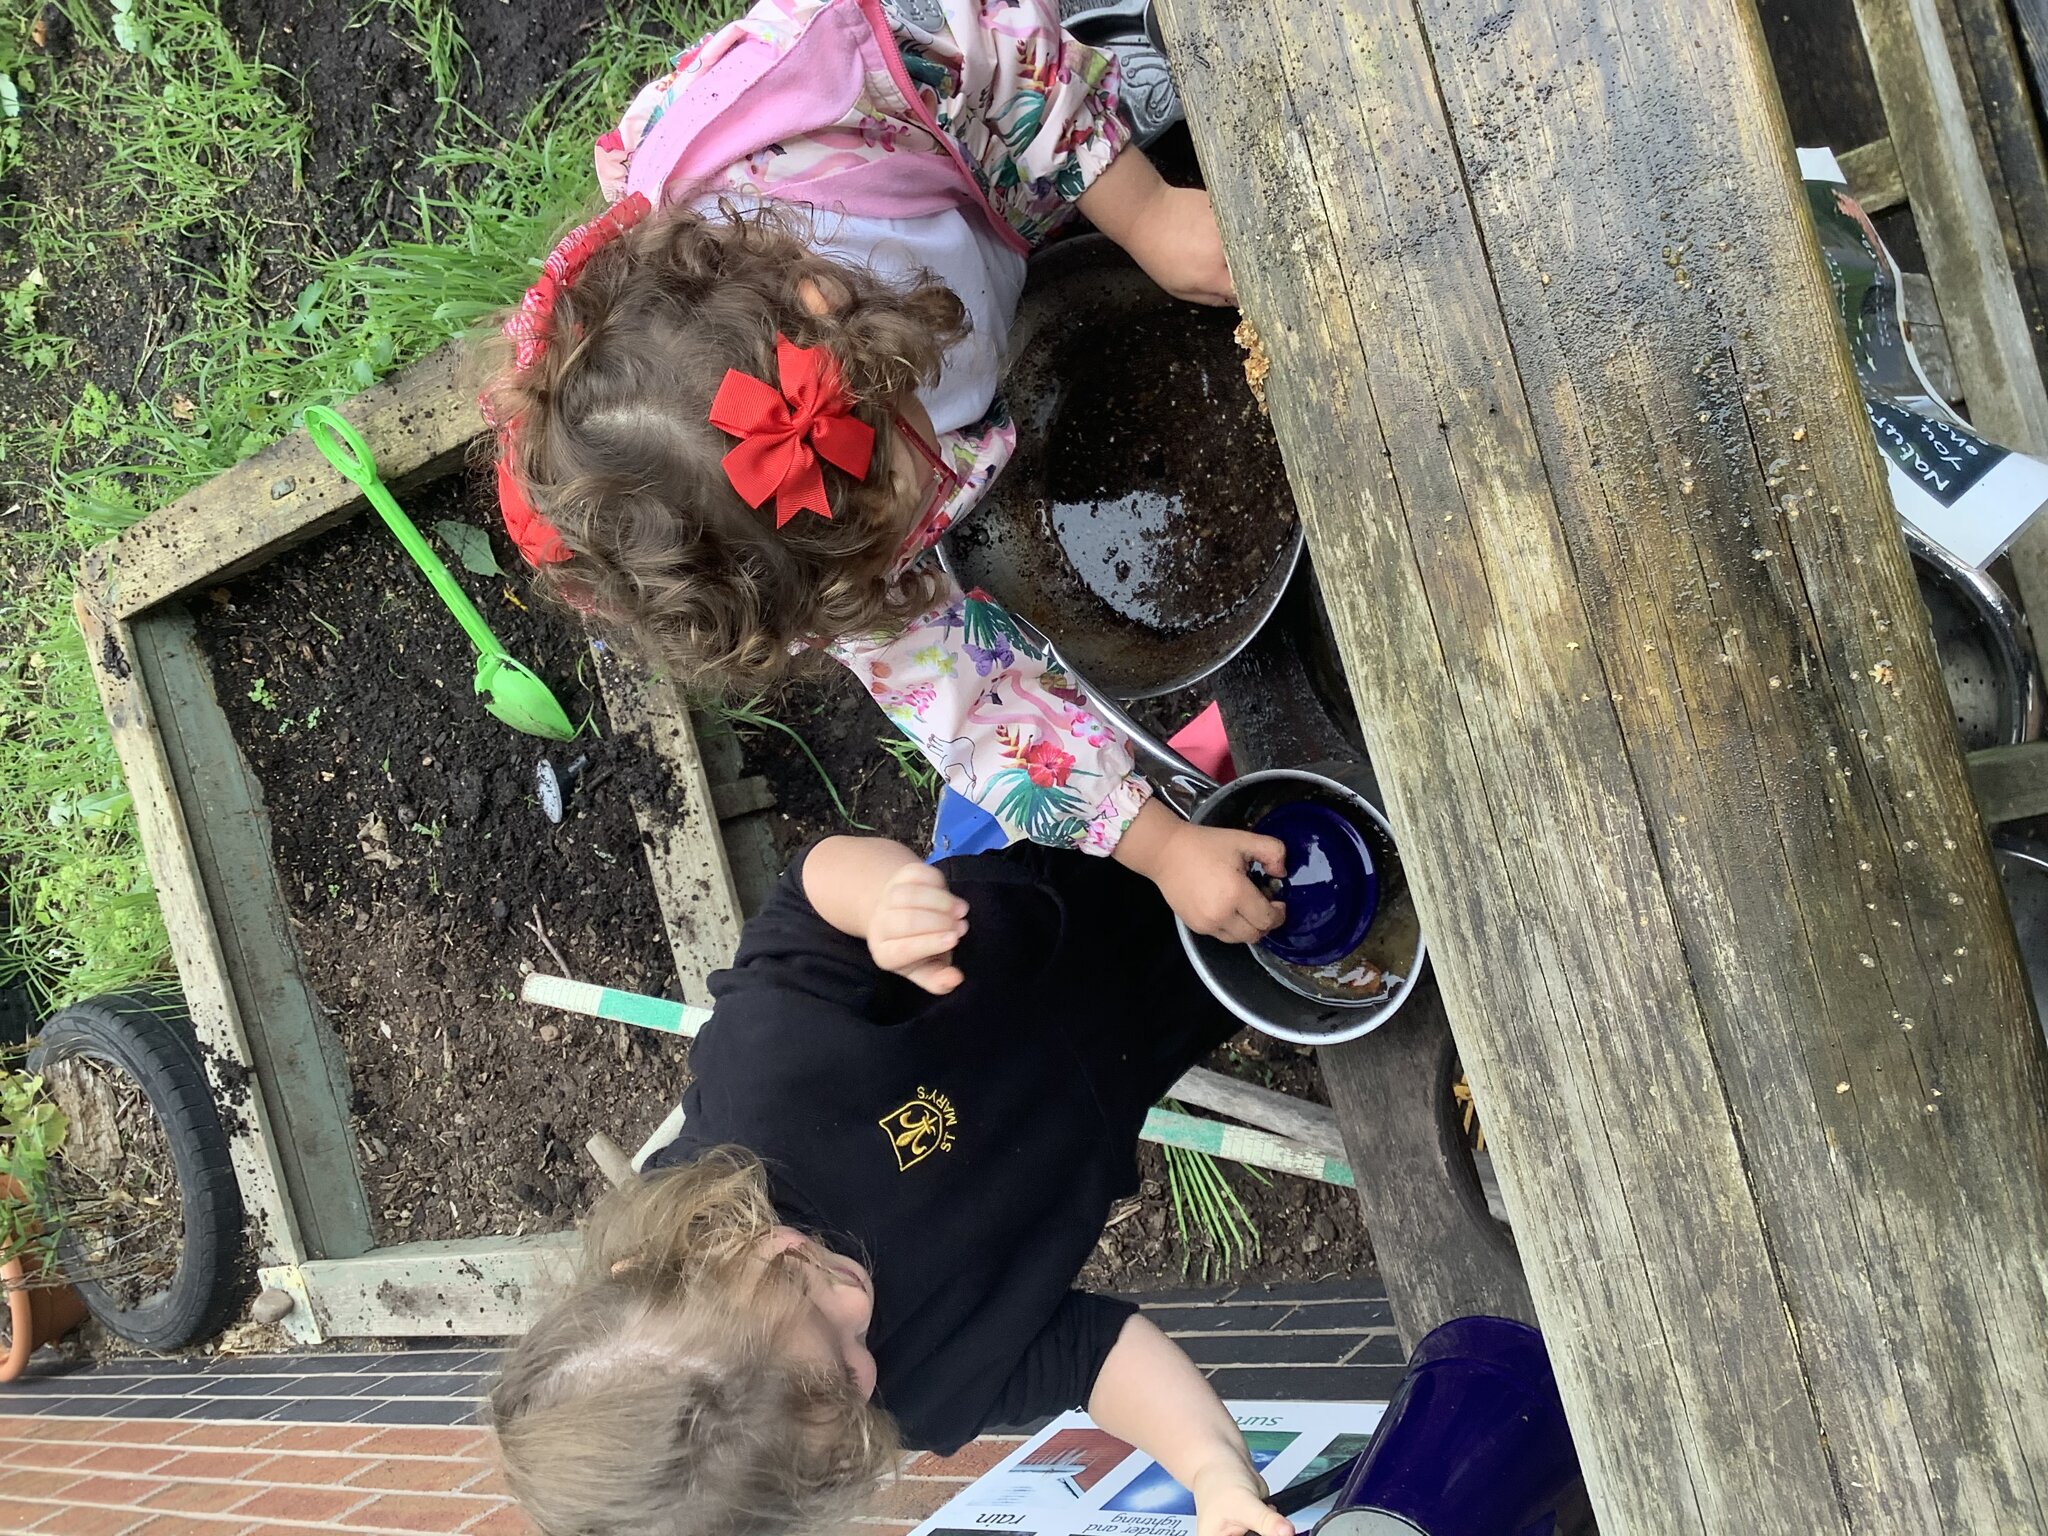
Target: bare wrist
x,y
1142,849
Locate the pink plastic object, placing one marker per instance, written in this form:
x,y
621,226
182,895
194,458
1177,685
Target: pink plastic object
x,y
1204,742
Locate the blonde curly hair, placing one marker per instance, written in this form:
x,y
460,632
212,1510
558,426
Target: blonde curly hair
x,y
656,1398
615,448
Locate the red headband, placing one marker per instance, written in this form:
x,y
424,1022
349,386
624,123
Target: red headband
x,y
534,536
784,432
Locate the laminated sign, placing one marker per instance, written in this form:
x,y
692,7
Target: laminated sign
x,y
1967,495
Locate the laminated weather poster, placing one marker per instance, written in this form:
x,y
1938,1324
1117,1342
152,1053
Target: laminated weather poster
x,y
1968,495
1072,1479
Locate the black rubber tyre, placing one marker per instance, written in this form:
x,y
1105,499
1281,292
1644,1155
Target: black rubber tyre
x,y
150,1040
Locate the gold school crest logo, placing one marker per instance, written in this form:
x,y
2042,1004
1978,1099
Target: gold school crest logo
x,y
920,1128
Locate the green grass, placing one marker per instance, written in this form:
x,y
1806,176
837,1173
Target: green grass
x,y
180,131
912,764
1215,1229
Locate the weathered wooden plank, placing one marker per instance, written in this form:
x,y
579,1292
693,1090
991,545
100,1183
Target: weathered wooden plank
x,y
1637,651
195,943
1439,1248
418,425
2010,783
1439,1251
1929,335
1874,176
471,1288
2030,21
693,882
1953,209
300,1074
1986,55
750,849
743,797
1313,1125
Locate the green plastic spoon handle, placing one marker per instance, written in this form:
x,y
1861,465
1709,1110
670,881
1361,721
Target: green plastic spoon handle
x,y
350,456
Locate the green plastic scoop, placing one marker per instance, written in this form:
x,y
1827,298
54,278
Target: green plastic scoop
x,y
509,689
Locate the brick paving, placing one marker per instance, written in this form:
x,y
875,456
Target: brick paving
x,y
381,1444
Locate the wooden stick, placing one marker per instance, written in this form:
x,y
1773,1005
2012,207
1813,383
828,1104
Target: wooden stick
x,y
1313,1125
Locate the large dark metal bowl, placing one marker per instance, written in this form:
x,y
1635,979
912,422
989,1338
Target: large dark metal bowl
x,y
1080,289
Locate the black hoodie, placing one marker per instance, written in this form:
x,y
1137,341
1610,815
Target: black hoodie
x,y
967,1148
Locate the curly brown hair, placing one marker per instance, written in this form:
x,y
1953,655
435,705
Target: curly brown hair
x,y
615,449
657,1397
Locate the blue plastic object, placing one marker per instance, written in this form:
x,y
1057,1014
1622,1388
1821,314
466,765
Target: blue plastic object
x,y
1331,890
964,827
1474,1442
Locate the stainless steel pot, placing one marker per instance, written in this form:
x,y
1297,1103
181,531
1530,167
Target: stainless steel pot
x,y
1295,1003
1987,660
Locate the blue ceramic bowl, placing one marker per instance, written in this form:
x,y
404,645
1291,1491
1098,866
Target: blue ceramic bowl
x,y
1331,890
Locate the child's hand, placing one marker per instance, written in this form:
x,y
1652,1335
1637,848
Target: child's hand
x,y
1205,873
916,923
1232,1501
1169,231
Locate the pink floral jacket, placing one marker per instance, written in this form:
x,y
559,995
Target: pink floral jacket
x,y
983,106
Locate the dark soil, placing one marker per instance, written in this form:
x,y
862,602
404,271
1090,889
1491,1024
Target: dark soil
x,y
826,705
1166,489
369,97
414,857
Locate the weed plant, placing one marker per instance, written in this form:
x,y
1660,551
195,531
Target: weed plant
x,y
1215,1229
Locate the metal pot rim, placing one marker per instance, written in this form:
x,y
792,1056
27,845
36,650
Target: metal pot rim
x,y
1319,776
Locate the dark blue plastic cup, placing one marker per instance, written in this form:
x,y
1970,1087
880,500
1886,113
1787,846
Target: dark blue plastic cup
x,y
1473,1444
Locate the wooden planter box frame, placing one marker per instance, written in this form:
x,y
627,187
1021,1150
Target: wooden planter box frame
x,y
274,1059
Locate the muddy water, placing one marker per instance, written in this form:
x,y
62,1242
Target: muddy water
x,y
1164,485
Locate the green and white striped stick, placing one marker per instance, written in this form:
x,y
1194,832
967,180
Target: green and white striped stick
x,y
597,1002
1259,1149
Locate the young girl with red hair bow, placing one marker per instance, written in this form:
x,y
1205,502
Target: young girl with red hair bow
x,y
744,403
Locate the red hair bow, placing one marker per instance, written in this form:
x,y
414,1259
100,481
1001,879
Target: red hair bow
x,y
534,536
784,432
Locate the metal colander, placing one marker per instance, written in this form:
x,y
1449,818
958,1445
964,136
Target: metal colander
x,y
1987,661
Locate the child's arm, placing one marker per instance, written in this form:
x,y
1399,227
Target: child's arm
x,y
1006,730
1150,1394
879,890
1203,872
1169,231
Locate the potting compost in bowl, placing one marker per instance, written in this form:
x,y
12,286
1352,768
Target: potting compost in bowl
x,y
1165,487
1145,522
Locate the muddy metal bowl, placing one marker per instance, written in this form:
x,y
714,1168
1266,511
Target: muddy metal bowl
x,y
1987,659
1310,1005
1133,610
